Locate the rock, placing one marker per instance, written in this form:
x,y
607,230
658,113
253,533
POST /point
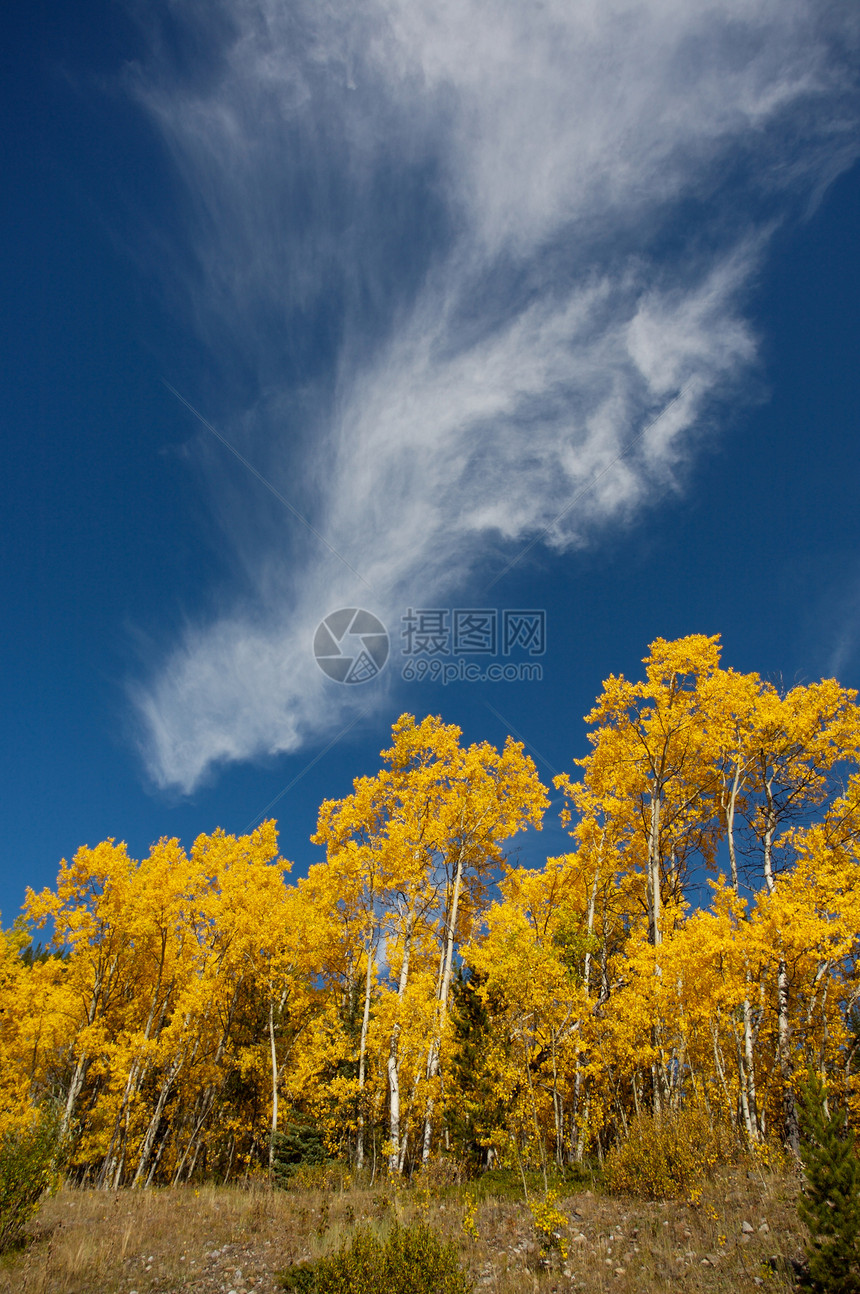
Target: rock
x,y
746,1228
764,1229
620,1271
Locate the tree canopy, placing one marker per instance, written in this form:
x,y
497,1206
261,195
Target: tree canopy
x,y
417,994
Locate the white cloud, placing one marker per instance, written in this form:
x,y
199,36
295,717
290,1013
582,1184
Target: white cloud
x,y
515,232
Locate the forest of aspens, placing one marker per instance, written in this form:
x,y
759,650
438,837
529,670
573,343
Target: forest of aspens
x,y
419,994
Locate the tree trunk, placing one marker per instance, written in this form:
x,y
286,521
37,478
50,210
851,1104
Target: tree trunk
x,y
362,1053
654,897
274,1055
791,1126
393,1058
746,1055
444,990
149,1139
73,1093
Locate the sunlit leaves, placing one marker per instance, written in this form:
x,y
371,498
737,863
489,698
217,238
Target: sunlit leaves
x,y
697,947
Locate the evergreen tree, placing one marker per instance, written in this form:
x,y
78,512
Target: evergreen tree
x,y
477,1110
830,1203
300,1144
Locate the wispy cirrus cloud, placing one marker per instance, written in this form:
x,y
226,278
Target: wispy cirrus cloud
x,y
465,251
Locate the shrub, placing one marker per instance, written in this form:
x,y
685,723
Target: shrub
x,y
440,1174
550,1223
30,1161
502,1184
413,1260
830,1204
666,1157
332,1176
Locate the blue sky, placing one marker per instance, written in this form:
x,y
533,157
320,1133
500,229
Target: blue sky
x,y
456,281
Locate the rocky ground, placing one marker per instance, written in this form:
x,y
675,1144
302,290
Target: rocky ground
x,y
742,1235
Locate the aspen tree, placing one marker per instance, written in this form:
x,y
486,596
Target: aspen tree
x,y
430,827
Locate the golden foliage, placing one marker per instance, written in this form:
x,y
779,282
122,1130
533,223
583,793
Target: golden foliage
x,y
668,1157
415,995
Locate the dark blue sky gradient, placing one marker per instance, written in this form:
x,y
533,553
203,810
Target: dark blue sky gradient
x,y
109,544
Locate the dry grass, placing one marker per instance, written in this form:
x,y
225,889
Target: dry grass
x,y
221,1239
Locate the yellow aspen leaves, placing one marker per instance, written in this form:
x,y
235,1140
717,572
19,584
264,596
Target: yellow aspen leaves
x,y
414,994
